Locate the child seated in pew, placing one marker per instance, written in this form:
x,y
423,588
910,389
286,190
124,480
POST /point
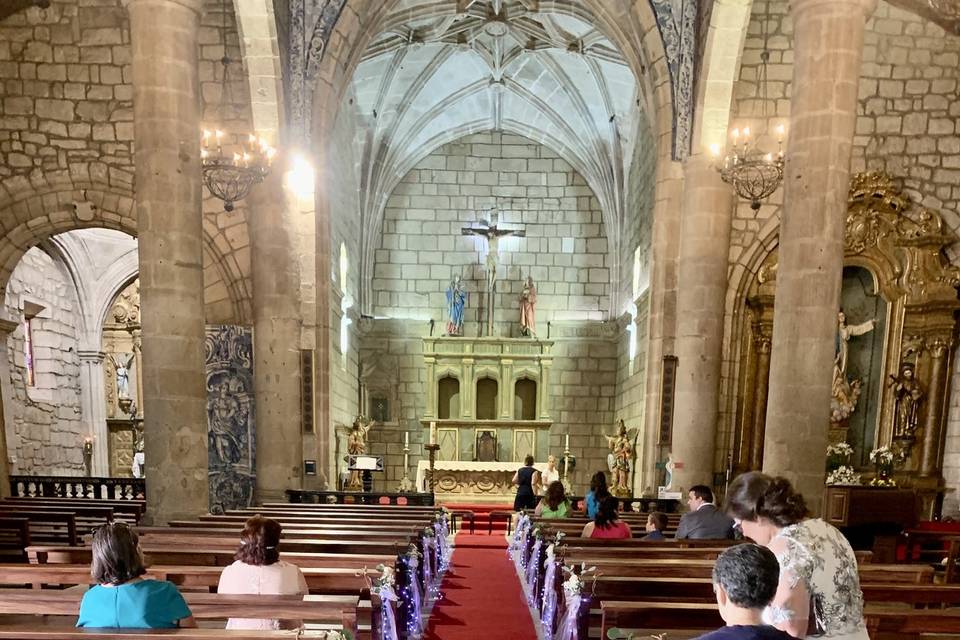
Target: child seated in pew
x,y
745,579
555,503
607,523
121,599
258,570
656,523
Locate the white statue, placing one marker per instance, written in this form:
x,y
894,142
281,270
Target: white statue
x,y
844,333
845,393
122,363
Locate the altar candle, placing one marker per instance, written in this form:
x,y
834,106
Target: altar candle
x,y
406,439
433,433
566,445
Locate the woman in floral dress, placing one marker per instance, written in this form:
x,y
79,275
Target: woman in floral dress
x,y
819,593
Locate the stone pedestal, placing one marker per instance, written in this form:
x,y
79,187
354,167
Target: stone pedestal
x,y
828,46
276,335
701,290
164,47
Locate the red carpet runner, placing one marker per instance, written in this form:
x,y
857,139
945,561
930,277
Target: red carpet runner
x,y
481,595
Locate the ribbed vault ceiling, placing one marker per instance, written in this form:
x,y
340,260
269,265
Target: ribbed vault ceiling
x,y
442,69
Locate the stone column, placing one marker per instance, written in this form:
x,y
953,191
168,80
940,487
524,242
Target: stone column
x,y
166,98
6,328
701,291
431,385
933,432
828,46
93,409
543,392
276,336
760,409
506,389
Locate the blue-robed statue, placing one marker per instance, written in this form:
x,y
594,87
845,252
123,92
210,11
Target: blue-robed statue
x,y
456,301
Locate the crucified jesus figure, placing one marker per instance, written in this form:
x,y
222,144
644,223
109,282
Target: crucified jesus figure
x,y
492,232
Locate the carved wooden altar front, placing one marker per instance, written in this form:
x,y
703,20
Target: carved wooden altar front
x,y
902,246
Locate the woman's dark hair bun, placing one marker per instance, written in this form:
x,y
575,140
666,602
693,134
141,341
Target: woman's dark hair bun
x,y
781,504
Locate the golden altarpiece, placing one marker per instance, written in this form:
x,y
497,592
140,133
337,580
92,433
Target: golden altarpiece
x,y
900,247
122,380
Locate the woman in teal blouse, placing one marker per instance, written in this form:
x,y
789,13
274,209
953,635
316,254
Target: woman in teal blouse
x,y
121,599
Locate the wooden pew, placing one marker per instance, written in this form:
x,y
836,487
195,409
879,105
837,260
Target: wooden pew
x,y
131,510
308,531
32,633
48,526
343,541
14,538
333,610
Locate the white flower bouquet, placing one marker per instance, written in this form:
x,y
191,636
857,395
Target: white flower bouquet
x,y
843,475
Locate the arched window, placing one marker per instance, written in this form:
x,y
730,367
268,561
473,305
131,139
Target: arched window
x,y
525,400
448,398
487,399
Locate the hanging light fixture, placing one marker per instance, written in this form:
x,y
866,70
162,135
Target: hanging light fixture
x,y
753,172
230,176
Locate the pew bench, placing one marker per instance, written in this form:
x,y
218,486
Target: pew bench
x,y
127,510
50,527
32,633
14,538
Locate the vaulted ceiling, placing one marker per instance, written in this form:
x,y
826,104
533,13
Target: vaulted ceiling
x,y
441,69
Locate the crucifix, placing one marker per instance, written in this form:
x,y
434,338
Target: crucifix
x,y
492,232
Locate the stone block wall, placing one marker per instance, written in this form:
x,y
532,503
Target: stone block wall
x,y
565,248
44,429
632,378
907,125
583,389
637,230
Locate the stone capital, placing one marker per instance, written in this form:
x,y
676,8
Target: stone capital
x,y
196,6
7,327
91,355
800,6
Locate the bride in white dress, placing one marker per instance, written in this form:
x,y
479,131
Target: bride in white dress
x,y
819,593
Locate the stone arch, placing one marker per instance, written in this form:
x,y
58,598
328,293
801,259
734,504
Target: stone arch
x,y
257,27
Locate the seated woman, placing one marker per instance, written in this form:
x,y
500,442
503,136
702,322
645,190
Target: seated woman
x,y
259,570
598,491
121,599
555,504
607,524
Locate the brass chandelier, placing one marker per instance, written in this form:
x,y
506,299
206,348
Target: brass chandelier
x,y
754,173
230,176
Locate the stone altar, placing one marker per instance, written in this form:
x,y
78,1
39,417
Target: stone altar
x,y
460,480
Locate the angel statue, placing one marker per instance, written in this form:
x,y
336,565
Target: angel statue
x,y
357,446
121,363
621,452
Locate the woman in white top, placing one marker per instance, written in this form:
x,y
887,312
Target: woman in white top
x,y
819,593
259,570
548,475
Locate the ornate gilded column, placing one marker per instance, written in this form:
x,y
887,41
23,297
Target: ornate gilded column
x,y
166,100
828,48
6,328
701,290
933,432
276,335
93,408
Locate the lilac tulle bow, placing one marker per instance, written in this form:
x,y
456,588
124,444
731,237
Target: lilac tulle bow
x,y
548,603
388,617
533,564
568,630
414,610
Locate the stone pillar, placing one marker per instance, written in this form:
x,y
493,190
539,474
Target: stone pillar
x,y
431,386
93,409
933,431
6,328
828,46
543,392
506,389
166,98
467,389
762,343
701,290
276,336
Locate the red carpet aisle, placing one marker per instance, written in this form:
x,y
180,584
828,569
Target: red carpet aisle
x,y
481,595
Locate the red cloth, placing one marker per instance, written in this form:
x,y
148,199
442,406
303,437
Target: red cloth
x,y
614,531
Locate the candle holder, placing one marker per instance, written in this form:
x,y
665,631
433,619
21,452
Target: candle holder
x,y
431,476
406,484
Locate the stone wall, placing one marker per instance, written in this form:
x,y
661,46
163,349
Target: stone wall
x,y
565,248
632,378
907,125
44,432
637,230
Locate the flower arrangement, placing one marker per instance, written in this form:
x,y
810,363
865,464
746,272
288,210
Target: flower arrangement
x,y
882,455
838,455
883,459
843,475
573,586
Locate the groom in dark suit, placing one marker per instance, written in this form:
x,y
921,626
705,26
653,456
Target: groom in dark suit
x,y
705,521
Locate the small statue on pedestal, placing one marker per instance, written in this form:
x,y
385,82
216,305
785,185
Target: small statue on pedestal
x,y
907,394
357,446
456,301
528,303
621,452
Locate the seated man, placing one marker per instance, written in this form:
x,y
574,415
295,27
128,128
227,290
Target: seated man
x,y
745,579
705,521
656,523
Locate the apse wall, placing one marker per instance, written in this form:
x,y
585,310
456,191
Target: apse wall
x,y
43,422
422,247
